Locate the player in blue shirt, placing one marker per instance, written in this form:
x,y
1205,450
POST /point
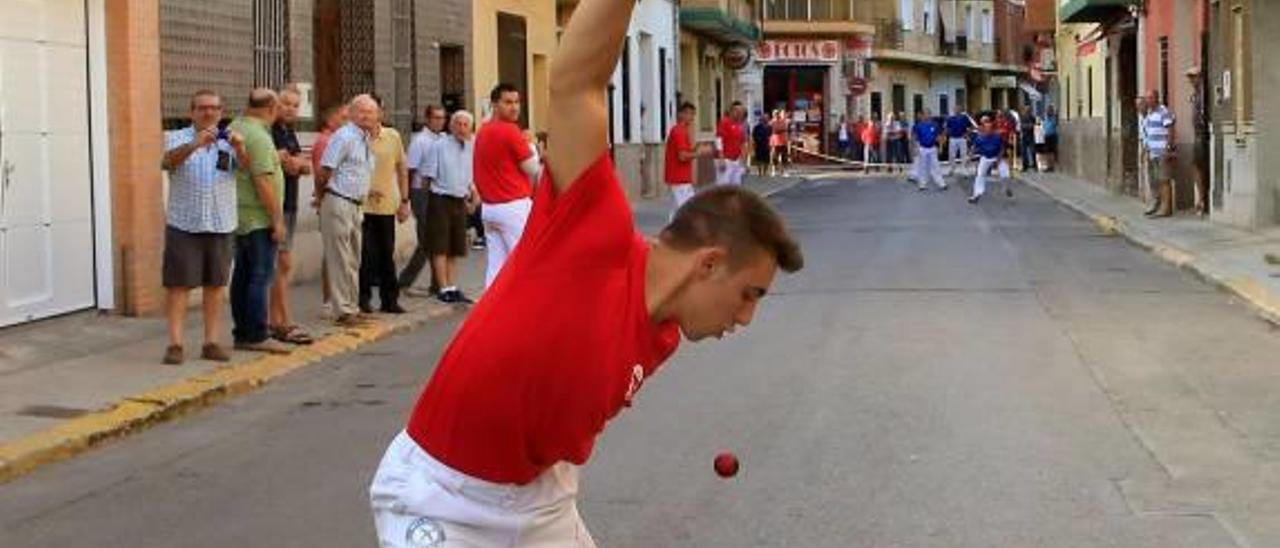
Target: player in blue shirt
x,y
990,148
959,124
926,133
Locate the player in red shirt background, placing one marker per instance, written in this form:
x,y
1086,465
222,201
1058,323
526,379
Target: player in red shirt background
x,y
680,152
731,143
505,167
491,452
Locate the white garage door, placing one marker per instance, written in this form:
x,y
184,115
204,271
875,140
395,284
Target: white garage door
x,y
46,212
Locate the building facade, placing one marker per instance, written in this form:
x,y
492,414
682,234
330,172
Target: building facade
x,y
813,61
1244,110
715,41
513,42
410,52
940,55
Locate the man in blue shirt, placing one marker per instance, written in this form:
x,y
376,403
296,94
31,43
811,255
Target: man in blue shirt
x,y
926,133
958,126
990,148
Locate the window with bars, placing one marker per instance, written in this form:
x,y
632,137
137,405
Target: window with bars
x,y
270,43
403,98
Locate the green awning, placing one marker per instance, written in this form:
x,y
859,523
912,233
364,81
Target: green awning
x,y
1094,11
718,24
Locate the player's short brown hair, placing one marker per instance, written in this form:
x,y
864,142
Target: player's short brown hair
x,y
736,219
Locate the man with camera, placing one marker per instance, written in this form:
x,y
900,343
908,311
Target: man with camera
x,y
199,221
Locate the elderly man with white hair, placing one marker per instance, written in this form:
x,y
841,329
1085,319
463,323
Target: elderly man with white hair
x,y
343,184
449,173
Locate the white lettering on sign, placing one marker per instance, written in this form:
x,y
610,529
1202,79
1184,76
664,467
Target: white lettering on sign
x,y
821,51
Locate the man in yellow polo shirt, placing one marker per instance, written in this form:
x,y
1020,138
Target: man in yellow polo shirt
x,y
388,202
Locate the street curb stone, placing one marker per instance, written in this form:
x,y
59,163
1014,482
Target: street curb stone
x,y
140,411
1264,302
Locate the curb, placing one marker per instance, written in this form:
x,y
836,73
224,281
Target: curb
x,y
135,413
1264,302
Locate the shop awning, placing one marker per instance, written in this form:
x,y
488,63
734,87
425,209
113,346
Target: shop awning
x,y
1094,11
719,25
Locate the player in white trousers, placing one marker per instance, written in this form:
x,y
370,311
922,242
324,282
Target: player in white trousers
x,y
959,125
990,147
506,165
926,168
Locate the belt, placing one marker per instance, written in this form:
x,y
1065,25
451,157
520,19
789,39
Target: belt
x,y
344,197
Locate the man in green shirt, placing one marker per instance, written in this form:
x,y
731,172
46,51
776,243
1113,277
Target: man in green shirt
x,y
259,192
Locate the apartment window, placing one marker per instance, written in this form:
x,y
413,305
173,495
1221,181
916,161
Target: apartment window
x,y
908,11
930,7
270,38
988,27
970,24
797,10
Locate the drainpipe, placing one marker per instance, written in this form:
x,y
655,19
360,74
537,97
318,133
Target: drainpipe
x,y
1237,79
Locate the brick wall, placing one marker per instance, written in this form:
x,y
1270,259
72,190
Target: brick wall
x,y
133,84
205,44
441,22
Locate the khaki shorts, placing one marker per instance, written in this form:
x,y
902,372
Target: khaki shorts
x,y
446,229
196,259
1159,170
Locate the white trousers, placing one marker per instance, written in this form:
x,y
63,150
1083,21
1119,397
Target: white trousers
x,y
731,172
958,153
503,227
679,195
984,166
927,167
419,502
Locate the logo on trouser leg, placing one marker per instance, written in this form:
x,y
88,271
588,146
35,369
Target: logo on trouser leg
x,y
425,533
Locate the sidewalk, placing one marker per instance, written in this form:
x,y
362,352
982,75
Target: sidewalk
x,y
70,383
1231,258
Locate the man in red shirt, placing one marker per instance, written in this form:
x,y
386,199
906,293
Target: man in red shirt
x,y
731,139
490,454
505,167
680,153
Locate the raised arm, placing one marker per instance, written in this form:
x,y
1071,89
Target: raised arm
x,y
578,129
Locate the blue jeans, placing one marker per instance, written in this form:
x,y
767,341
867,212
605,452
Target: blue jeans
x,y
255,270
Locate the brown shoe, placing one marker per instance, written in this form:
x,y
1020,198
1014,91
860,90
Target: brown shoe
x,y
215,353
173,355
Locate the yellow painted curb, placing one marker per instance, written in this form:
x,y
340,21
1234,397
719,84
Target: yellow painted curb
x,y
133,413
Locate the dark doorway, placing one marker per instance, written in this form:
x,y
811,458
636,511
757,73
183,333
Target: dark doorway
x,y
944,105
327,47
877,104
899,98
962,100
917,105
513,58
342,42
1126,92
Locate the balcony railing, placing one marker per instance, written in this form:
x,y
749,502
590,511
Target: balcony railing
x,y
889,33
809,10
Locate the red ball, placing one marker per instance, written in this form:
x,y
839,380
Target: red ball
x,y
726,465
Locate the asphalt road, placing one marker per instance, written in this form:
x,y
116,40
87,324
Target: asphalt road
x,y
940,375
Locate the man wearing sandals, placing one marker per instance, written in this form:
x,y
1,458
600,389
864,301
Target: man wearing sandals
x,y
295,165
199,221
259,190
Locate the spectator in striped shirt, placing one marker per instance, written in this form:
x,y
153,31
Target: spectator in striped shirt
x,y
1157,131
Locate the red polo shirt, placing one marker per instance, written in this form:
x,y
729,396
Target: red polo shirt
x,y
678,172
732,138
531,378
500,147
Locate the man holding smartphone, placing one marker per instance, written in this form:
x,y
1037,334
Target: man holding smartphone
x,y
199,221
